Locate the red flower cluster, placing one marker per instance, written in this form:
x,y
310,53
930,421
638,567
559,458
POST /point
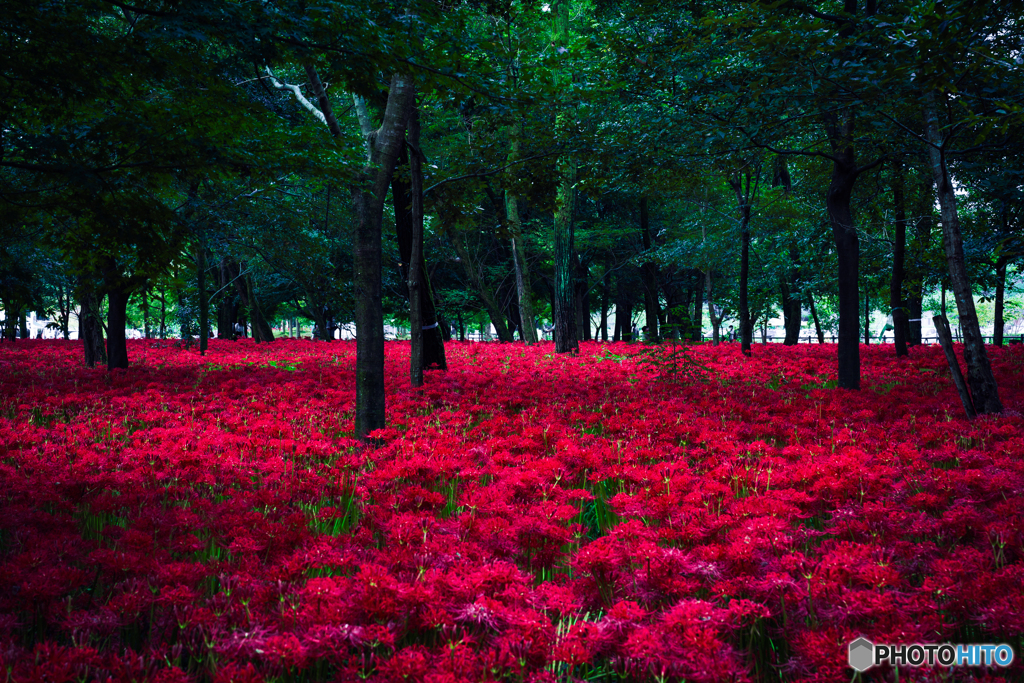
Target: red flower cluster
x,y
532,516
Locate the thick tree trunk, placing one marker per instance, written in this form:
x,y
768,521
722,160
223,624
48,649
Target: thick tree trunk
x,y
979,373
117,319
383,147
90,330
900,324
649,273
837,202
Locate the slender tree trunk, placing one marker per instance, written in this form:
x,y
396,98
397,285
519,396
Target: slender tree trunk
x,y
204,301
486,295
163,313
999,323
867,316
522,270
900,324
401,192
716,322
743,200
605,294
814,316
566,340
416,270
697,320
623,310
1001,261
979,373
582,300
145,311
923,208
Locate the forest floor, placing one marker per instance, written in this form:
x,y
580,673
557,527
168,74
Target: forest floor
x,y
630,513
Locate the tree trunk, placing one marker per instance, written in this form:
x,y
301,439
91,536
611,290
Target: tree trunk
x,y
145,311
984,391
837,202
923,208
623,310
204,301
814,316
999,323
900,324
383,147
605,294
89,328
527,318
649,273
743,200
582,300
486,295
867,316
697,320
416,326
566,340
117,319
716,322
1001,261
402,198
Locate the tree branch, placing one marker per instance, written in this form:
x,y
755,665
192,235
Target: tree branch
x,y
298,96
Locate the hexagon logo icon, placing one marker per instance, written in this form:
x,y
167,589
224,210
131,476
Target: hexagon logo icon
x,y
862,654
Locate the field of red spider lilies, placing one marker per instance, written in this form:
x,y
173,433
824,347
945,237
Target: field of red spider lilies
x,y
619,515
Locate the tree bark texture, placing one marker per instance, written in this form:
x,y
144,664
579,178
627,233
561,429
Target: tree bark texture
x,y
383,145
984,391
90,329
